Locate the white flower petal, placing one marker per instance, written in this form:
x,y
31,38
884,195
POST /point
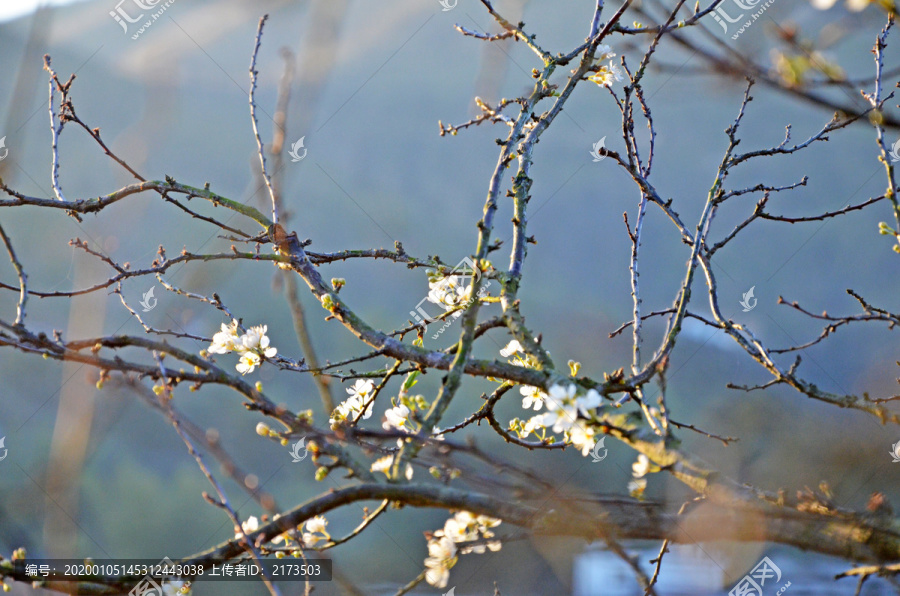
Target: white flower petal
x,y
641,467
316,524
511,348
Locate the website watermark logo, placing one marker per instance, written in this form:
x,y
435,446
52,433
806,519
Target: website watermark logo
x,y
728,21
295,150
895,451
4,151
451,293
447,5
895,150
123,16
6,451
753,583
148,301
747,300
595,451
596,148
295,450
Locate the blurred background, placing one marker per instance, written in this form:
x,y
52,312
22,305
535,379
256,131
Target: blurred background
x,y
98,473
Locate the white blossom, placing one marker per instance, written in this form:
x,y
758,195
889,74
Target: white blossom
x,y
511,348
315,530
464,526
249,526
607,74
226,340
459,527
582,437
562,410
534,423
588,402
397,417
252,346
361,388
441,557
604,52
532,396
560,394
360,397
448,293
641,467
248,362
520,356
255,339
316,524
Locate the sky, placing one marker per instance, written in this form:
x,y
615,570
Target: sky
x,y
11,9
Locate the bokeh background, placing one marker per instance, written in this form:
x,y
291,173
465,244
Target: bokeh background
x,y
98,473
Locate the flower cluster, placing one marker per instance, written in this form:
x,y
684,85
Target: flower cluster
x,y
448,292
359,402
315,530
563,408
441,558
532,397
606,74
519,356
442,544
564,405
252,345
404,413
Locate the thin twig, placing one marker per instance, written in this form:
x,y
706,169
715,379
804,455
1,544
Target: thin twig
x,y
260,150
